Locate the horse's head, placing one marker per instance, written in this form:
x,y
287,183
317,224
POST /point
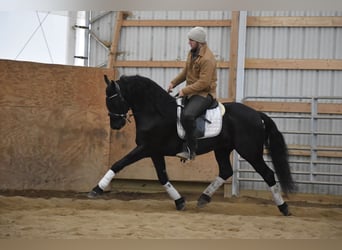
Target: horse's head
x,y
116,104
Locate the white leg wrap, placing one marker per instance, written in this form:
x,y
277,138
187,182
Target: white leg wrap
x,y
276,195
106,179
211,189
173,193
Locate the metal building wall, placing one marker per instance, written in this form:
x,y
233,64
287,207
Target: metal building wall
x,y
101,34
293,43
170,43
297,43
160,43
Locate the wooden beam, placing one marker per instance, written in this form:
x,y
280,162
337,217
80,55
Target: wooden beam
x,y
329,108
334,154
292,21
306,152
115,41
233,55
176,23
160,64
299,64
150,64
294,64
288,107
294,107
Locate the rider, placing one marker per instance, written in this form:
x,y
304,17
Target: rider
x,y
200,90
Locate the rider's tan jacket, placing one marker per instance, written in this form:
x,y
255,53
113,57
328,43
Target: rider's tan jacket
x,y
200,74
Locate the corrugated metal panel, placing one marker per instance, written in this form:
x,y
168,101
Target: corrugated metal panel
x,y
294,43
102,23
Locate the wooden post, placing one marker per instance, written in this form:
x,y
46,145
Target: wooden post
x,y
233,53
115,42
111,62
233,63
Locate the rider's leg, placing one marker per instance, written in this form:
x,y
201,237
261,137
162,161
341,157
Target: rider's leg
x,y
194,107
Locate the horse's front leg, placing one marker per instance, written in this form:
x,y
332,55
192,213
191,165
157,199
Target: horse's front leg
x,y
159,164
136,154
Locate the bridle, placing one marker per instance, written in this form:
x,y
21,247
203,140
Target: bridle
x,y
124,116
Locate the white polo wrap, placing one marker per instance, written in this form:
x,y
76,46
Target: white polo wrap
x,y
173,193
106,179
211,189
276,195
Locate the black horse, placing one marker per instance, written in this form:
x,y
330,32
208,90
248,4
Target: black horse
x,y
244,129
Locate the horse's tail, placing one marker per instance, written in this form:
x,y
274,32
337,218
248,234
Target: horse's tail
x,y
275,143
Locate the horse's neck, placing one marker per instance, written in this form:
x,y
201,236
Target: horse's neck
x,y
154,114
143,104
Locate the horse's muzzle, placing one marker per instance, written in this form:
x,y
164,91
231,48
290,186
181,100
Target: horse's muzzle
x,y
117,123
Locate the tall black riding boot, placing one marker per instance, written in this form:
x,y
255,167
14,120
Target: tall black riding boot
x,y
189,148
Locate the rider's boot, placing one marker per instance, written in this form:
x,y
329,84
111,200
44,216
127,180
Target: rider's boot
x,y
189,148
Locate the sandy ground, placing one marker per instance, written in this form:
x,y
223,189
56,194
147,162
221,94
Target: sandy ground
x,y
129,215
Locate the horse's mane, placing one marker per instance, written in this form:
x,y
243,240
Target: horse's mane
x,y
141,91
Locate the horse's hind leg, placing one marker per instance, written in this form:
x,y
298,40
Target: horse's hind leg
x,y
268,175
159,164
225,171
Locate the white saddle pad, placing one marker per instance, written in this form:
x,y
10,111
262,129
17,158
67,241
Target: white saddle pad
x,y
213,125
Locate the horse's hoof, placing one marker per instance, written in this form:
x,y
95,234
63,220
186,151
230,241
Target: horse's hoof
x,y
284,209
203,200
95,193
180,204
92,194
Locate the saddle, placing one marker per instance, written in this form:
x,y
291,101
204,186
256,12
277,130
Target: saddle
x,y
209,124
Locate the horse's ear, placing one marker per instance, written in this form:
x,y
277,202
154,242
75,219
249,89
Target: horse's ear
x,y
108,82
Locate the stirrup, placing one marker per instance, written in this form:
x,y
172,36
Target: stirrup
x,y
186,155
